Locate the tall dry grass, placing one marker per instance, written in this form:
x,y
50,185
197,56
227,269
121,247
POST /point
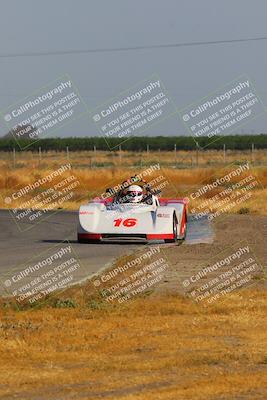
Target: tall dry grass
x,y
182,179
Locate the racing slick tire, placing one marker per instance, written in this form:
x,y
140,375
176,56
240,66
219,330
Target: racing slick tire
x,y
184,226
174,227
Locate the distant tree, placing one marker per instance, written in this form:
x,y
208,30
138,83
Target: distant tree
x,y
26,131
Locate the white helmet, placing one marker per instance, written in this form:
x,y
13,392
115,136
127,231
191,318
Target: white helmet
x,y
134,194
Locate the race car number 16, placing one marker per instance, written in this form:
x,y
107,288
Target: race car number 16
x,y
125,222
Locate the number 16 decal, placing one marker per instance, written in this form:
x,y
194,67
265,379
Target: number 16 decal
x,y
125,222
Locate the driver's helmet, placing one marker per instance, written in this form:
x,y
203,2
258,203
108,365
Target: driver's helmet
x,y
134,194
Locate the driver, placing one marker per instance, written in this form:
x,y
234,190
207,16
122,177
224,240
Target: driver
x,y
133,194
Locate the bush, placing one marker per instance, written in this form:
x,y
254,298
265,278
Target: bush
x,y
67,303
244,210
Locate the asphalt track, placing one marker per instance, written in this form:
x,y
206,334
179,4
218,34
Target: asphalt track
x,y
18,247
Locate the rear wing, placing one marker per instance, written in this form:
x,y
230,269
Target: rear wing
x,y
179,200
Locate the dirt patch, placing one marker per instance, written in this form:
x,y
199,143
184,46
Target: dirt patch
x,y
229,232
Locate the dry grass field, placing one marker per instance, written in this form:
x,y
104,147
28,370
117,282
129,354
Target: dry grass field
x,y
158,348
184,172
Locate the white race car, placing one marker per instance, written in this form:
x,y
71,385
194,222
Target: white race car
x,y
121,217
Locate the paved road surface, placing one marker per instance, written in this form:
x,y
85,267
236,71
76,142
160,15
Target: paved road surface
x,y
17,248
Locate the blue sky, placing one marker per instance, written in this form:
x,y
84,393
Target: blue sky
x,y
189,73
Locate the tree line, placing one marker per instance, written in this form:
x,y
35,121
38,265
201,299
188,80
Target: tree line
x,y
137,143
